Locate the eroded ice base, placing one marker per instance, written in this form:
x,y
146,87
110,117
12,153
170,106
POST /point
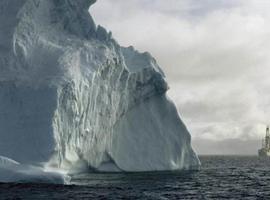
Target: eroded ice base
x,y
12,171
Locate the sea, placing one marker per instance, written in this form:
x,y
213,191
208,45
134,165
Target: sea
x,y
220,177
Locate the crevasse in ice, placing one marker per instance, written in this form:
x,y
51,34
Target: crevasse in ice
x,y
69,94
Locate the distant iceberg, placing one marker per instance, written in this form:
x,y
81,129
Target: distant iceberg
x,y
70,94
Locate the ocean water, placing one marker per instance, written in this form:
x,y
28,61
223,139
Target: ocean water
x,y
220,177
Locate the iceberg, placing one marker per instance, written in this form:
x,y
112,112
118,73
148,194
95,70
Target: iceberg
x,y
69,94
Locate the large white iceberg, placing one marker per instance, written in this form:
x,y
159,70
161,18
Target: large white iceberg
x,y
70,94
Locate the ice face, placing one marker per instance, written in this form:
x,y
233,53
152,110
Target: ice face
x,y
83,4
26,131
8,21
70,94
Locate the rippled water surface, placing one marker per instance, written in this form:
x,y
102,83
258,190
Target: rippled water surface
x,y
221,177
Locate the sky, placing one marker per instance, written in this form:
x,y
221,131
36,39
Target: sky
x,y
216,56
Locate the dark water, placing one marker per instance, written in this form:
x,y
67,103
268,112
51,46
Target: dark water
x,y
221,177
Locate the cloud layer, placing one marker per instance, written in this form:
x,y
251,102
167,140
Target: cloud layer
x,y
215,55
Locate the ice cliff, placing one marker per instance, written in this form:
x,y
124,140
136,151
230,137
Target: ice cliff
x,y
71,96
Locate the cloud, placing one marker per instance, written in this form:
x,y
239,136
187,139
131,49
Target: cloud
x,y
215,54
228,147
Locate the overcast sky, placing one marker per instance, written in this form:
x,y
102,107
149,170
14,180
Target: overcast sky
x,y
216,55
